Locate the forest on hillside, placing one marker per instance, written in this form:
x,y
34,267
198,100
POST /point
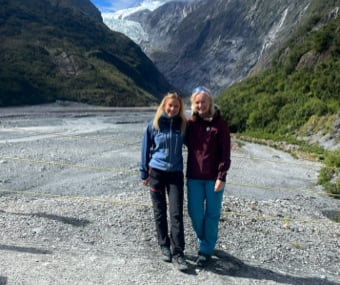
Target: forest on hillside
x,y
298,94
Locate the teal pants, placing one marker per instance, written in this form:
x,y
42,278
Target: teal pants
x,y
204,207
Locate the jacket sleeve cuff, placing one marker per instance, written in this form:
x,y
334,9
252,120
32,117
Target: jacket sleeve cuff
x,y
144,175
222,178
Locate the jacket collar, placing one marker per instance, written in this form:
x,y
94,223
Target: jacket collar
x,y
165,118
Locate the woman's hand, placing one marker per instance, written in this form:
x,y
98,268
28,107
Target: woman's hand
x,y
219,185
145,182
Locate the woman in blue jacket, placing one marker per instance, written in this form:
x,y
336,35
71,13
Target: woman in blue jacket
x,y
162,169
208,142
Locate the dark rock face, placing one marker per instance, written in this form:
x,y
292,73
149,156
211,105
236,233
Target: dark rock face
x,y
216,42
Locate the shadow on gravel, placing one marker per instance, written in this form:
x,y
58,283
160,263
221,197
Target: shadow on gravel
x,y
66,220
226,264
24,249
3,280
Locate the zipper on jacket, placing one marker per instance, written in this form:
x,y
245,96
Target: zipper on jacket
x,y
170,140
176,144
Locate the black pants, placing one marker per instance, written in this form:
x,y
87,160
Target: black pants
x,y
168,184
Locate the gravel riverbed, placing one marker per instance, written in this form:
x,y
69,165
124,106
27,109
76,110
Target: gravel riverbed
x,y
73,210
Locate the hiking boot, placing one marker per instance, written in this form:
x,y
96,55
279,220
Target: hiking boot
x,y
202,260
166,254
181,263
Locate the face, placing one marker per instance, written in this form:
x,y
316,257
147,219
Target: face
x,y
171,107
201,104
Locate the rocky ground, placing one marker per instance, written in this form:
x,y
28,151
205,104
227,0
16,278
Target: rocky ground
x,y
73,211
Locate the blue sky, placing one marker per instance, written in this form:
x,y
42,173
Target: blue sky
x,y
114,5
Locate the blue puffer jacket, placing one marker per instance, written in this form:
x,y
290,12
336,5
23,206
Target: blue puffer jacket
x,y
162,149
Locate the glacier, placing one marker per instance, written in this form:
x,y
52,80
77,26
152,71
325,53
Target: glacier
x,y
117,21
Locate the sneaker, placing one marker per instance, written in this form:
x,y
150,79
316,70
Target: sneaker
x,y
166,254
202,260
181,263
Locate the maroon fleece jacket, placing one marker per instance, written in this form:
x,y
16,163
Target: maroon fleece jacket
x,y
208,143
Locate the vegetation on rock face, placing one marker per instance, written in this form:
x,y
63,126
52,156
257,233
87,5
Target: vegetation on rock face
x,y
304,82
299,89
56,49
330,175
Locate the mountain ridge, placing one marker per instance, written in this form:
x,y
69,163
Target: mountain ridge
x,y
215,43
58,49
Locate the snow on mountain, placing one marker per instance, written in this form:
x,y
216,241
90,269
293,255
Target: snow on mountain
x,y
132,29
117,21
142,5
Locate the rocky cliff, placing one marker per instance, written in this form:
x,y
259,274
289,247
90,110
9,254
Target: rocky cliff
x,y
216,42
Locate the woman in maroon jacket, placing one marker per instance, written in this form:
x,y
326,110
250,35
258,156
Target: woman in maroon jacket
x,y
208,142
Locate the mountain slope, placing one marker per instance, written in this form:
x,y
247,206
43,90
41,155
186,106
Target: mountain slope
x,y
61,49
215,42
298,93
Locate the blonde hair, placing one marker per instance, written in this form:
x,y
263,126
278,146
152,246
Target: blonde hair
x,y
207,93
160,110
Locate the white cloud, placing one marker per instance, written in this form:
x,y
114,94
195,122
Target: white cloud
x,y
106,6
123,4
115,5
